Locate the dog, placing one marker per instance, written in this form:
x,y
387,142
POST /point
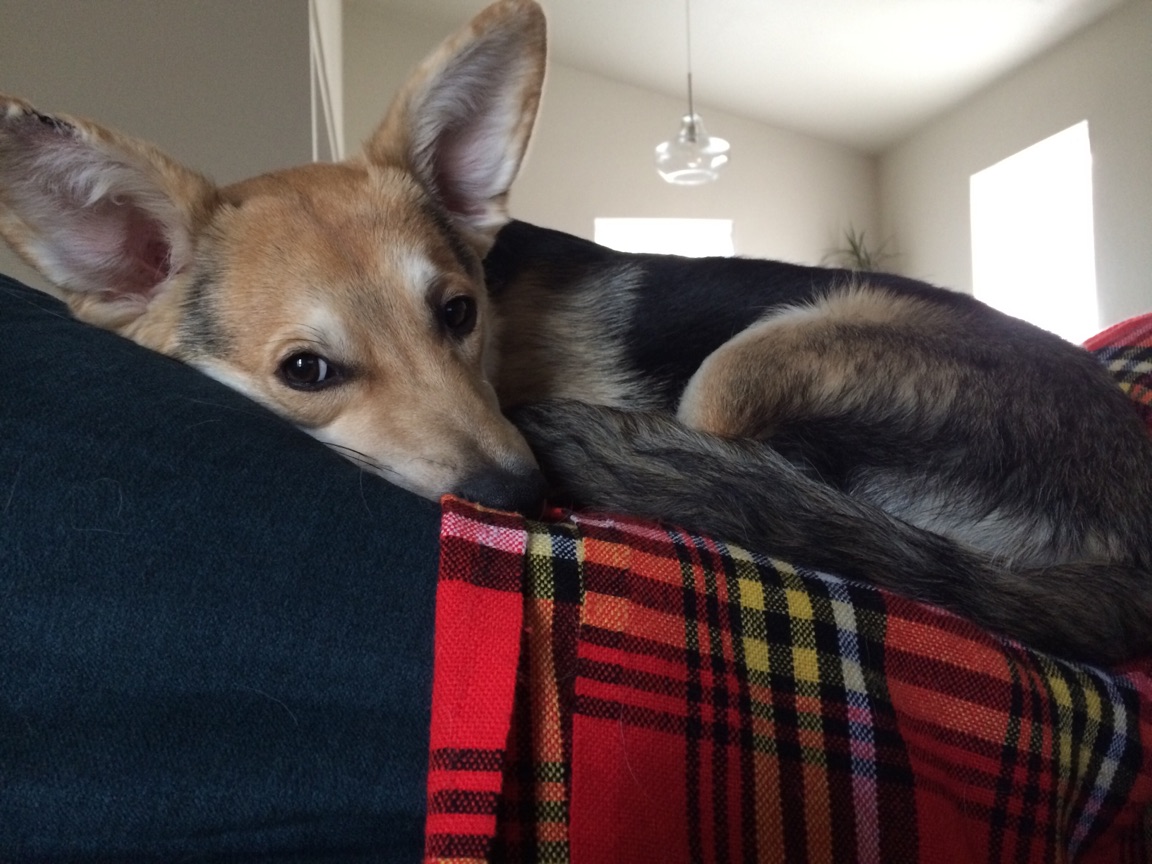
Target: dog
x,y
871,425
347,298
874,426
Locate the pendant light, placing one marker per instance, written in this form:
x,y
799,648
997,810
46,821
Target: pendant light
x,y
693,157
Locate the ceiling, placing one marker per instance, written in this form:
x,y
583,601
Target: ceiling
x,y
863,73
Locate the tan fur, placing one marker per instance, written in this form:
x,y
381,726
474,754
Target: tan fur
x,y
841,354
417,408
398,141
887,430
590,368
351,262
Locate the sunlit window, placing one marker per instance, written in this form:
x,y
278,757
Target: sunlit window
x,y
693,237
1033,254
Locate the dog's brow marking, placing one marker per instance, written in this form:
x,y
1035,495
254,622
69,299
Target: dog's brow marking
x,y
317,333
328,332
419,274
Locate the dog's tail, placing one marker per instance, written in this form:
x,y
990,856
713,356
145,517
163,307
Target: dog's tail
x,y
1099,612
1092,611
746,492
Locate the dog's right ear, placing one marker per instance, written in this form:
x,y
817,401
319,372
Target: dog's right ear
x,y
462,121
106,218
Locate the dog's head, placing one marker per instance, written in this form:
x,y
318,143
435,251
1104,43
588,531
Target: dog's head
x,y
346,297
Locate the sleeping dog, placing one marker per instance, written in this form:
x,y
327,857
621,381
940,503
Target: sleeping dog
x,y
873,425
877,427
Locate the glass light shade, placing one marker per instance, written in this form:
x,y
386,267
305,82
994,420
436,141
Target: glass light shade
x,y
693,157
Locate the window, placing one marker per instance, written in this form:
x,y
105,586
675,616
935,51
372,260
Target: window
x,y
1033,254
693,237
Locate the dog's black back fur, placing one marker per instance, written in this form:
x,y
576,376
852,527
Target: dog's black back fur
x,y
1037,434
683,308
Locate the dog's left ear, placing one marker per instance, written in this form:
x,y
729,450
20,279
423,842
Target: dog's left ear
x,y
462,122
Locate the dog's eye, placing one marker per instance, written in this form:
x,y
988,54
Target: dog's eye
x,y
459,315
306,371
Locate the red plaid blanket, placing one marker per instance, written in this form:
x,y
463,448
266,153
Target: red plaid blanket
x,y
608,690
1126,349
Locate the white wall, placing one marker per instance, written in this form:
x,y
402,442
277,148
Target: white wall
x,y
789,195
220,84
1104,75
223,85
592,153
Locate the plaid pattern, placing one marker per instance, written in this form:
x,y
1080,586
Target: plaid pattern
x,y
535,809
611,690
479,615
1126,349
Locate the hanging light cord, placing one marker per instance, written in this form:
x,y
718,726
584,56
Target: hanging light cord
x,y
693,156
688,41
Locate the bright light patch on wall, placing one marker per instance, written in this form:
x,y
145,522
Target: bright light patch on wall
x,y
1033,254
695,238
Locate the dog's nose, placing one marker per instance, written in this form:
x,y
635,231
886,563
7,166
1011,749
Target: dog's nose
x,y
519,490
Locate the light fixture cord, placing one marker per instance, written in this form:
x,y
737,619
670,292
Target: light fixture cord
x,y
688,41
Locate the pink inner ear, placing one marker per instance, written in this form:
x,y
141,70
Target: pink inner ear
x,y
471,164
147,253
123,250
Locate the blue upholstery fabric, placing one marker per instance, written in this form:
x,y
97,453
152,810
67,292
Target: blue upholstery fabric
x,y
215,634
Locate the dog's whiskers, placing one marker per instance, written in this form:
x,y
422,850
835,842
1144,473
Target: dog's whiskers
x,y
362,459
365,461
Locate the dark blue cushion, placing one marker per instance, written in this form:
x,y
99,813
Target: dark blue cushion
x,y
215,634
